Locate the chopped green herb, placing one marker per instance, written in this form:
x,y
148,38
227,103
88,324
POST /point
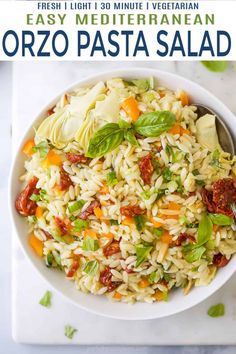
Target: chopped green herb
x,y
57,258
156,165
140,221
200,182
69,331
35,197
91,267
167,277
72,218
90,244
114,222
193,253
152,277
192,225
46,299
32,219
160,193
142,253
80,225
180,187
195,172
169,151
167,174
216,310
158,232
42,148
112,179
215,159
49,260
172,186
221,219
146,194
76,206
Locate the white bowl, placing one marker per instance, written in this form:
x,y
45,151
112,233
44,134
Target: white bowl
x,y
100,304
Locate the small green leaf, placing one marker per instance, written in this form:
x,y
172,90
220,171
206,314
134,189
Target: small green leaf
x,y
89,244
152,277
167,277
154,123
204,230
158,232
221,219
112,179
193,253
42,148
167,174
216,310
49,260
80,225
35,197
215,159
46,299
69,331
140,221
130,137
106,139
91,267
76,206
215,65
160,193
142,253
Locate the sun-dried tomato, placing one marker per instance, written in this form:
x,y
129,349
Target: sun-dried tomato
x,y
105,279
132,210
47,234
146,168
111,249
76,158
90,210
184,236
129,271
223,194
24,205
219,260
65,181
74,267
63,225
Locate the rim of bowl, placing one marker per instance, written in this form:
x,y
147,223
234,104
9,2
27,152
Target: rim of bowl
x,y
87,81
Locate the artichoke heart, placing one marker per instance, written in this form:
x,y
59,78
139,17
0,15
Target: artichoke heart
x,y
206,132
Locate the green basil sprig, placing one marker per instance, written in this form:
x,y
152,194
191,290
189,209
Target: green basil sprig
x,y
216,310
111,135
154,123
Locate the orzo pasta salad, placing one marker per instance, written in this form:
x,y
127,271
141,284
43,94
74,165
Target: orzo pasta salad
x,y
128,192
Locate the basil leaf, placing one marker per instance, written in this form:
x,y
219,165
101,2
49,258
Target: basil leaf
x,y
91,267
105,140
123,124
221,219
76,205
79,225
193,253
215,65
42,148
69,331
130,137
216,310
140,221
205,228
111,179
155,123
89,244
46,299
142,253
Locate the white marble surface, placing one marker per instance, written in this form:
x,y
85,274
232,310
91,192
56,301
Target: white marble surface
x,y
223,85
